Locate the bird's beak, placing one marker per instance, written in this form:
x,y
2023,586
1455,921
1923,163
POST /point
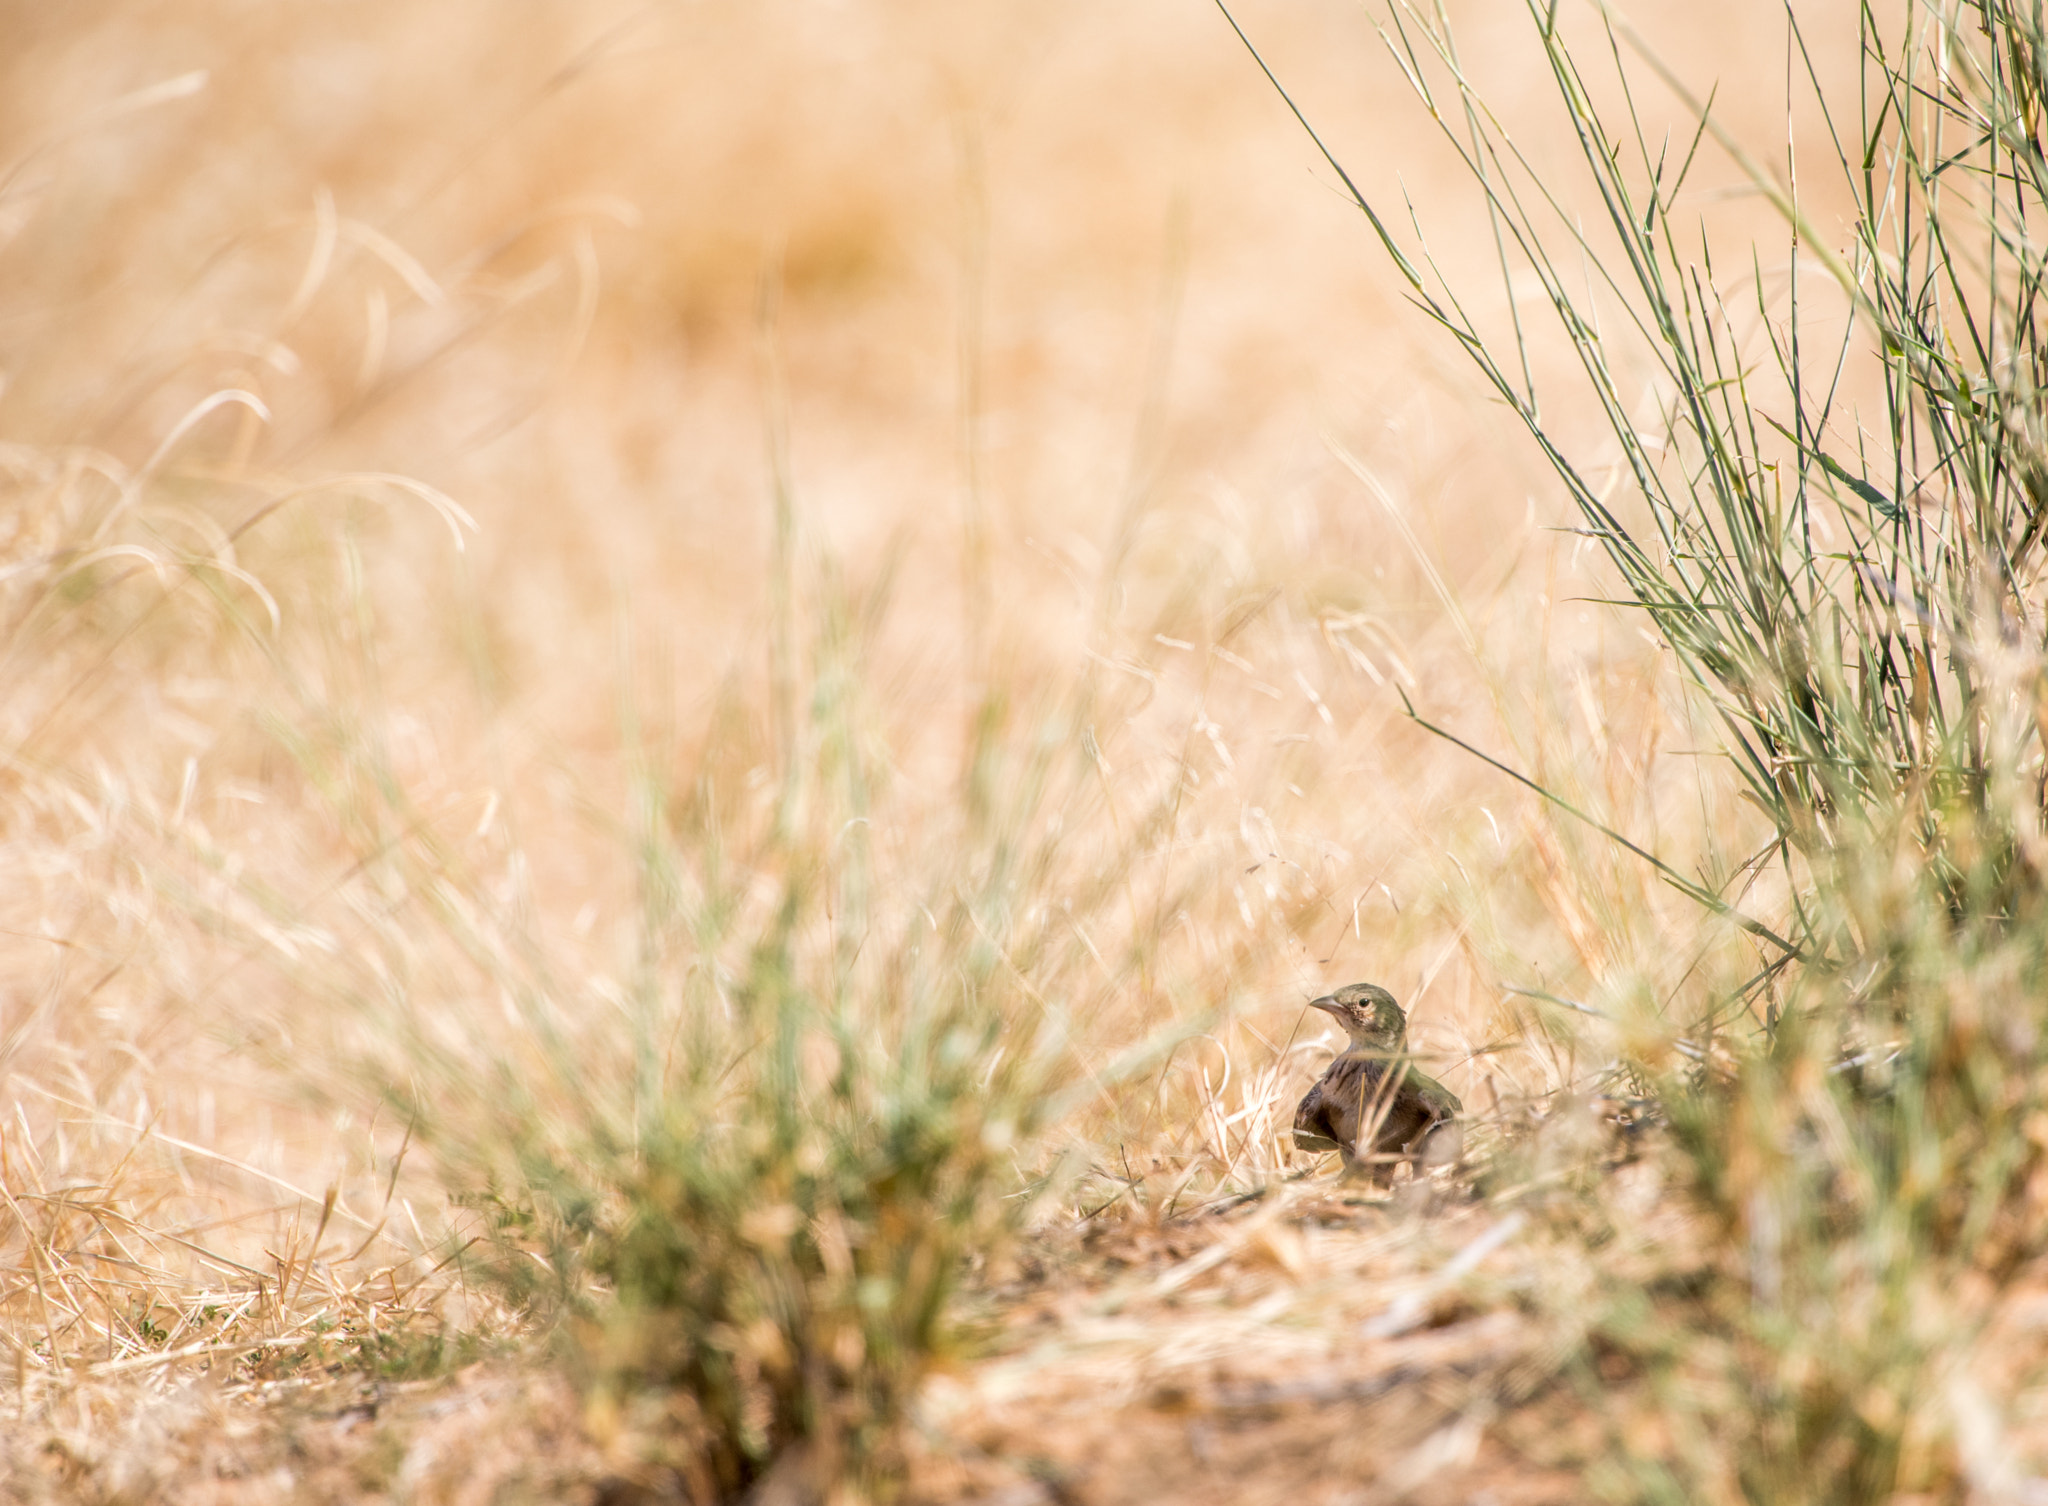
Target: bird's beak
x,y
1327,1004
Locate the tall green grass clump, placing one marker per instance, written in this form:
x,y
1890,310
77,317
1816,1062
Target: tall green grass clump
x,y
747,1179
1823,482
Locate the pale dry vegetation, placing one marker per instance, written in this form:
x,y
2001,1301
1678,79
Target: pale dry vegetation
x,y
690,693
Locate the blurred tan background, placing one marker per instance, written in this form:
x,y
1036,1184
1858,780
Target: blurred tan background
x,y
1030,262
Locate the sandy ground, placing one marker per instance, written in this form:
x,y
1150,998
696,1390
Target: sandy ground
x,y
1319,1345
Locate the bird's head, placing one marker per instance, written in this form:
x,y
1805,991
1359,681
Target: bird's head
x,y
1368,1014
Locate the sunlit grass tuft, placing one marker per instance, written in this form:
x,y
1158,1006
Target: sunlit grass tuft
x,y
1834,524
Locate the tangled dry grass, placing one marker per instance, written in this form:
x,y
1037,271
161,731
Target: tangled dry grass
x,y
776,637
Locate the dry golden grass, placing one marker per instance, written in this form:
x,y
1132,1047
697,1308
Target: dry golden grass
x,y
398,403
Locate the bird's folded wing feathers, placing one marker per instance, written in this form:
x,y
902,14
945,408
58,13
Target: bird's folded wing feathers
x,y
1312,1127
1441,1100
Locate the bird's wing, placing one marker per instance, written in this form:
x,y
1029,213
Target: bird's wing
x,y
1419,1107
1312,1127
1441,1101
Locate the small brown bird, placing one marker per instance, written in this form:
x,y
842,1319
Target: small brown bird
x,y
1372,1092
